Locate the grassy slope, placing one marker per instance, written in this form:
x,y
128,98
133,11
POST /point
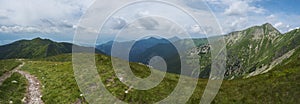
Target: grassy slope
x,y
254,48
58,81
8,65
60,85
281,85
13,91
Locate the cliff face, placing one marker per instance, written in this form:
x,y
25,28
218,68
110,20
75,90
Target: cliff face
x,y
255,50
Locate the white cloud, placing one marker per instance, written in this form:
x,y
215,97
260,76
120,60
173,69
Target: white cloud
x,y
239,21
241,8
235,15
4,14
271,17
291,29
50,16
278,24
21,29
142,13
33,12
237,7
195,29
149,23
116,23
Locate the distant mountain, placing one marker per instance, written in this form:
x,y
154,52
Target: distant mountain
x,y
137,48
250,52
36,48
170,53
174,39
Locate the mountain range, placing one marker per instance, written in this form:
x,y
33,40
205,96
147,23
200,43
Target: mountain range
x,y
250,52
37,48
262,63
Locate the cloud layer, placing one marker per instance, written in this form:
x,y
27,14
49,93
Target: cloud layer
x,y
50,17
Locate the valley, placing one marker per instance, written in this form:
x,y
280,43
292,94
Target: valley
x,y
262,67
250,51
59,85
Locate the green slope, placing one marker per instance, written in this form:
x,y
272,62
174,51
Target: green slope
x,y
254,49
13,89
8,65
36,48
281,85
60,85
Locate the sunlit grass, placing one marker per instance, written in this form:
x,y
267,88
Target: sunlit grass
x,y
8,65
13,89
281,85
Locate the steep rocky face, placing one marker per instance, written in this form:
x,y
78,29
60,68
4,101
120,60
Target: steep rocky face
x,y
256,48
250,49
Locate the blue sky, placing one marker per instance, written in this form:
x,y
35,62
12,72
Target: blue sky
x,y
58,19
287,7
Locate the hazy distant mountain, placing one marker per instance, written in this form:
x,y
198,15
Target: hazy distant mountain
x,y
250,52
137,47
36,48
174,39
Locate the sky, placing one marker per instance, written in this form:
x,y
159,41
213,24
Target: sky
x,y
58,19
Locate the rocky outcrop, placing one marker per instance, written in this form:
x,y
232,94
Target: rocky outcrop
x,y
203,49
254,50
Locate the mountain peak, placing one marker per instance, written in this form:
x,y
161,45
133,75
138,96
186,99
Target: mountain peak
x,y
38,48
41,39
175,38
152,38
38,38
269,27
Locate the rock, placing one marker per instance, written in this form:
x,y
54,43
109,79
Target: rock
x,y
14,81
127,91
24,100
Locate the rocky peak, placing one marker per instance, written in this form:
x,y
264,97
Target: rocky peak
x,y
270,27
267,25
41,41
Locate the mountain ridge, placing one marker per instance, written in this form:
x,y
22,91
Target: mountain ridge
x,y
37,48
248,50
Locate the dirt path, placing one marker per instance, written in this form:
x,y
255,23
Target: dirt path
x,y
33,95
8,74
